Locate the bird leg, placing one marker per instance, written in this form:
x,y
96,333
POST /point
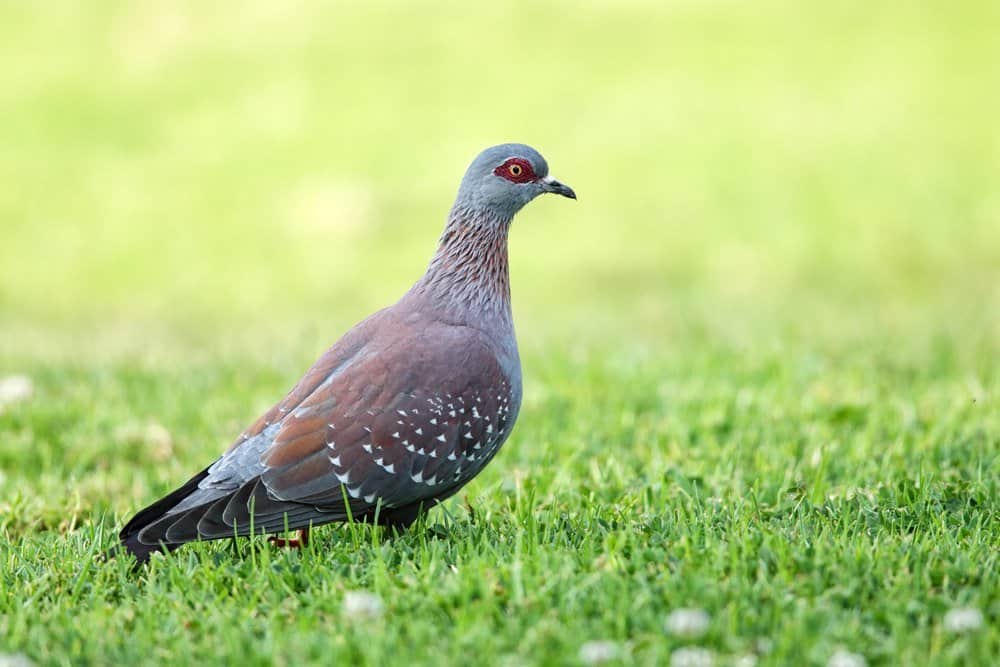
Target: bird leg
x,y
293,542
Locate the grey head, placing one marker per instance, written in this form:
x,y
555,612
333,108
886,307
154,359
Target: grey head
x,y
502,179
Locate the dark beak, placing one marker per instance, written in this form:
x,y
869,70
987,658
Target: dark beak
x,y
552,185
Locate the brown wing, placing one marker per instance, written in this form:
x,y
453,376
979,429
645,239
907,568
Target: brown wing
x,y
392,432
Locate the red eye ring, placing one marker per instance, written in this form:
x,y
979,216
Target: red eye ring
x,y
516,170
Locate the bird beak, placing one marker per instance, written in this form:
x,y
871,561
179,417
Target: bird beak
x,y
550,184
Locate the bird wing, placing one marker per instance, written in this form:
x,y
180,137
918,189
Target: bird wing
x,y
374,423
396,428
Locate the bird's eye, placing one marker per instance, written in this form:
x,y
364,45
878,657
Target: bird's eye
x,y
516,170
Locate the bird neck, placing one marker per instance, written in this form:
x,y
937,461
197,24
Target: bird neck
x,y
468,280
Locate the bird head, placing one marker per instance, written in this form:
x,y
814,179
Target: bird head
x,y
506,177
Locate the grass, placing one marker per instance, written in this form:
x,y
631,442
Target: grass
x,y
760,353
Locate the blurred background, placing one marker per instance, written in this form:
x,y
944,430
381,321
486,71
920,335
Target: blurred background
x,y
240,173
188,184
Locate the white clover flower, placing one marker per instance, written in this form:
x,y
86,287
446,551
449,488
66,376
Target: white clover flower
x,y
745,660
687,622
15,388
842,658
963,619
15,660
362,604
692,656
596,652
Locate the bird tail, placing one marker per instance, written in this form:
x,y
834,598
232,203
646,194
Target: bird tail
x,y
139,550
129,536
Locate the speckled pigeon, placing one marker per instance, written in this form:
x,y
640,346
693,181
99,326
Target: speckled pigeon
x,y
401,412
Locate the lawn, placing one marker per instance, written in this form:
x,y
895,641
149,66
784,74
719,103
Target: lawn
x,y
761,353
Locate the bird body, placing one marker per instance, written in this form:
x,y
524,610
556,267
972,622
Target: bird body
x,y
396,416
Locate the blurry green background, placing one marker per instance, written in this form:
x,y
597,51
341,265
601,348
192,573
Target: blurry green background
x,y
241,172
782,276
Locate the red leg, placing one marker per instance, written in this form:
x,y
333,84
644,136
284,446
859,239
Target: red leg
x,y
293,542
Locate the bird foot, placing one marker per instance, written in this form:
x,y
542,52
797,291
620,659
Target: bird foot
x,y
293,542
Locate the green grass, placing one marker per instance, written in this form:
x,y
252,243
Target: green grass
x,y
761,352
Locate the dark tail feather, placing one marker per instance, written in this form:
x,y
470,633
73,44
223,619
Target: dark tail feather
x,y
129,536
141,551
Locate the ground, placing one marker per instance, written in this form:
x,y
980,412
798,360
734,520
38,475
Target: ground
x,y
761,352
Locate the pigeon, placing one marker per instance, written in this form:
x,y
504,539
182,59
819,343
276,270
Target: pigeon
x,y
400,413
